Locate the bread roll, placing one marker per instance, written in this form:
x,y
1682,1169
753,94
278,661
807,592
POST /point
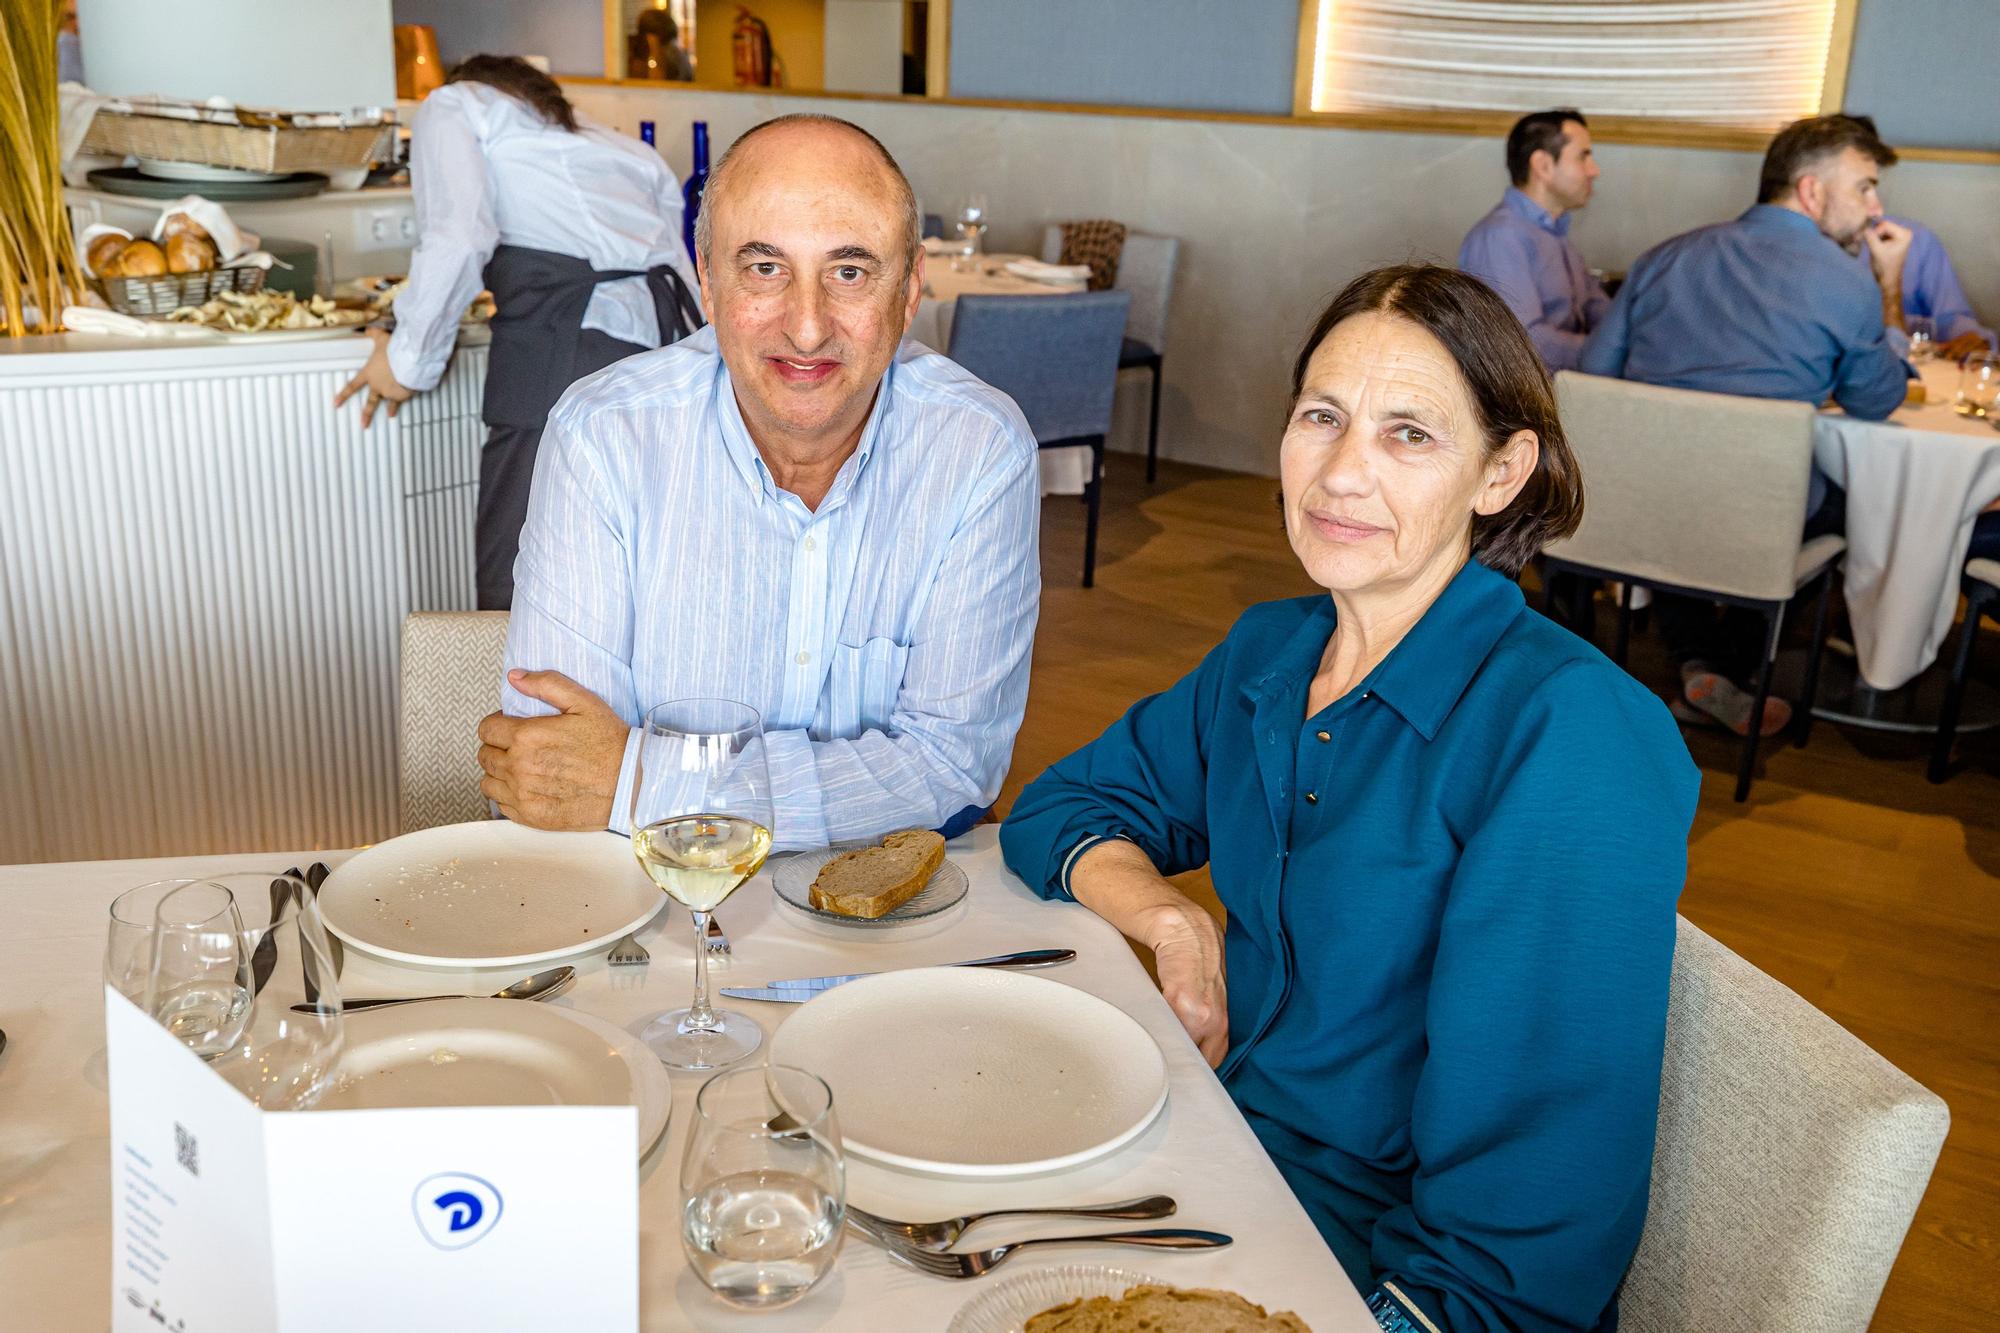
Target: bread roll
x,y
140,259
1164,1310
875,881
180,224
189,253
103,252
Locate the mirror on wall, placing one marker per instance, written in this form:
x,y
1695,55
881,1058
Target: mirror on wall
x,y
892,47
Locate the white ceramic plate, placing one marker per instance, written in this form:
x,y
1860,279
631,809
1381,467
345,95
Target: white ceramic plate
x,y
197,171
496,1053
1008,1306
792,878
957,1071
489,894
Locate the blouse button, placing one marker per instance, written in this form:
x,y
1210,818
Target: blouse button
x,y
1312,798
1324,735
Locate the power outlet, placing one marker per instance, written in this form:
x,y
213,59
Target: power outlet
x,y
384,229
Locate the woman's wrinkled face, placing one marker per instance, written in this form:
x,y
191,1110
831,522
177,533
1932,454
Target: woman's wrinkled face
x,y
1384,462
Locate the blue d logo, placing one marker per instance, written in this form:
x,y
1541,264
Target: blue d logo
x,y
454,1210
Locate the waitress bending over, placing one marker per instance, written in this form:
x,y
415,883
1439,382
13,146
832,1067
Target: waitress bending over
x,y
575,229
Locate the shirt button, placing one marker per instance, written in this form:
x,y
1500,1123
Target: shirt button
x,y
1323,735
811,545
803,658
1312,798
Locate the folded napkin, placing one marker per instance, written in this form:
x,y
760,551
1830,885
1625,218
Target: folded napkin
x,y
231,241
86,319
1060,275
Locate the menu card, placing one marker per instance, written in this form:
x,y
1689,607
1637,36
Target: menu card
x,y
228,1218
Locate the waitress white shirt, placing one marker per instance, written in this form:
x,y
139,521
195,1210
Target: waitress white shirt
x,y
487,170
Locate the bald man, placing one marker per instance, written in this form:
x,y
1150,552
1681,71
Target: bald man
x,y
791,508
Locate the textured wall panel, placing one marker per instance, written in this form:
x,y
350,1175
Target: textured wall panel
x,y
204,575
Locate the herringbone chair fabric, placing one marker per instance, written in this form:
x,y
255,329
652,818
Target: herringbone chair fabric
x,y
451,678
1789,1160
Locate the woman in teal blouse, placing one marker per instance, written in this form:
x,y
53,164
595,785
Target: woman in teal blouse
x,y
1449,837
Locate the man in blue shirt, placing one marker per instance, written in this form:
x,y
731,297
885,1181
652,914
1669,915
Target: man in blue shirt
x,y
1932,291
1522,248
1771,305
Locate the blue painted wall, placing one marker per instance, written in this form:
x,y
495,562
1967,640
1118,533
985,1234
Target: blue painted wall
x,y
569,32
1207,55
1927,71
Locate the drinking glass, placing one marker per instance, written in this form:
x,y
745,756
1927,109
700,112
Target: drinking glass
x,y
239,970
1978,385
701,826
763,1185
972,221
128,943
1923,338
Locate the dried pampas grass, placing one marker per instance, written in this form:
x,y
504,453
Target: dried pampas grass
x,y
37,256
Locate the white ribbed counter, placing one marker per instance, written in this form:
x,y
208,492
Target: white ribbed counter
x,y
203,568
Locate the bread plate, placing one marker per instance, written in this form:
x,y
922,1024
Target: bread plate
x,y
973,1073
1008,1306
793,878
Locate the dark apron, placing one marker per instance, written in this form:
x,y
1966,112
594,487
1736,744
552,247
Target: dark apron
x,y
539,348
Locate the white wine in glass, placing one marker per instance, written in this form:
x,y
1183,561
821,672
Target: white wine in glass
x,y
701,828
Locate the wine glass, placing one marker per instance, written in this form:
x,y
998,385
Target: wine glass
x,y
1923,338
241,972
972,223
1978,385
763,1185
701,826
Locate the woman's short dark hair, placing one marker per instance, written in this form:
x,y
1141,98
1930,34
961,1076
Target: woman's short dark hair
x,y
521,81
1505,379
1805,144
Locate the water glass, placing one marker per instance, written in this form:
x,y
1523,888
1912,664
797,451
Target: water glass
x,y
1923,338
763,1186
972,221
128,943
1978,385
229,958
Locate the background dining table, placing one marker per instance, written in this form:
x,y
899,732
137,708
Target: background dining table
x,y
55,1183
1915,483
1064,471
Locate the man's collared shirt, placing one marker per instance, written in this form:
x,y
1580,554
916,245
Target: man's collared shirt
x,y
1931,289
885,637
1763,307
1526,256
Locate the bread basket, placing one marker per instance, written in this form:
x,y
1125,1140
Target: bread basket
x,y
271,148
168,292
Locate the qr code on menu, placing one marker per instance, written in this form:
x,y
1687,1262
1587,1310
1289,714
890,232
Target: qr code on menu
x,y
186,1150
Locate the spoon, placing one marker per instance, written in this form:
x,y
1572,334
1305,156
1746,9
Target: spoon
x,y
541,986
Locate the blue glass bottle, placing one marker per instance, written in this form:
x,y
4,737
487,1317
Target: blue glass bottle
x,y
697,182
646,132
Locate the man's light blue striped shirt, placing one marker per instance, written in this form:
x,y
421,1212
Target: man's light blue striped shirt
x,y
885,637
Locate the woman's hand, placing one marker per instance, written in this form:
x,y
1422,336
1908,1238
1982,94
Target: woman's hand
x,y
1115,880
378,380
1187,951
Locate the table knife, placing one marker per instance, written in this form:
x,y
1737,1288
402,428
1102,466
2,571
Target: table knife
x,y
801,989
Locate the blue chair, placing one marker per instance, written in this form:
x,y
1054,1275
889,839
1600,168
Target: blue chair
x,y
1145,269
1057,357
933,225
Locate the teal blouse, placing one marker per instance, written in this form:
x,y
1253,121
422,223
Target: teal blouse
x,y
1451,901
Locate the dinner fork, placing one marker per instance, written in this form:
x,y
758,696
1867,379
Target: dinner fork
x,y
718,943
980,1262
943,1235
628,952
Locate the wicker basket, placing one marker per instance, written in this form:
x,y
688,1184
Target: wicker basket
x,y
168,293
166,139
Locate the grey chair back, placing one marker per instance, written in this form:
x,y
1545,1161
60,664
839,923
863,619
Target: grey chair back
x,y
1056,356
1698,490
452,662
1145,269
1788,1163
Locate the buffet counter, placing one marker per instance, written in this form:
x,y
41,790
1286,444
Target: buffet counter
x,y
203,572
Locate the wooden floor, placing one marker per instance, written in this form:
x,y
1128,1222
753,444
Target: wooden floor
x,y
1848,877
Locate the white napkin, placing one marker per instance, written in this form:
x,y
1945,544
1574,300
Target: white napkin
x,y
84,319
231,241
1034,270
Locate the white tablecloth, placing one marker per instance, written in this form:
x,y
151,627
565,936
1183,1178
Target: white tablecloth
x,y
55,1189
1915,483
1064,471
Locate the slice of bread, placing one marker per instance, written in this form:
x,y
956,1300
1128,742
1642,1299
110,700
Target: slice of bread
x,y
875,881
1164,1310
